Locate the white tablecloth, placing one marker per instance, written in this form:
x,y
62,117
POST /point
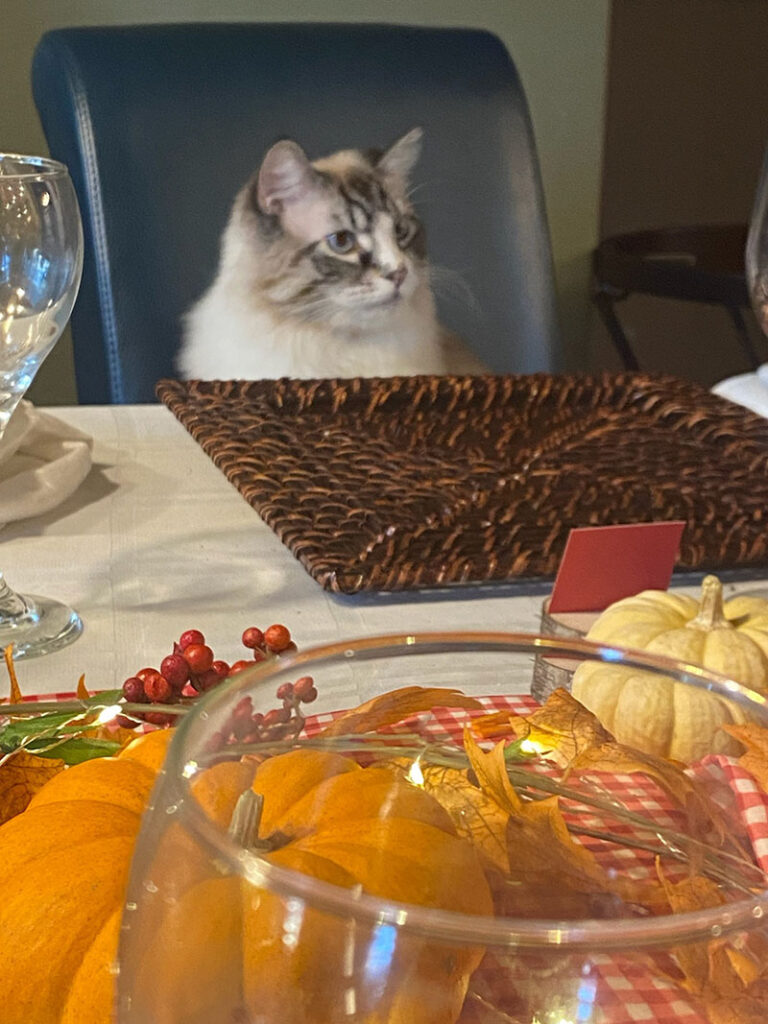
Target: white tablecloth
x,y
156,541
747,389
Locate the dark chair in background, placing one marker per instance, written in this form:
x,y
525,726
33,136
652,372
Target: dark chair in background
x,y
693,264
161,125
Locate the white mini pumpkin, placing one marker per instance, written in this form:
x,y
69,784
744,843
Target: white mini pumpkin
x,y
654,713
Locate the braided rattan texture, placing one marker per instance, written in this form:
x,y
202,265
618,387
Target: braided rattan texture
x,y
392,484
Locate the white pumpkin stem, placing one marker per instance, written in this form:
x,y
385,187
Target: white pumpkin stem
x,y
711,614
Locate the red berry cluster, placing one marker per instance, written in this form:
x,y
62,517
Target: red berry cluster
x,y
247,726
191,668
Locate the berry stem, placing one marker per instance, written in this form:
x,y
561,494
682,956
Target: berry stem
x,y
167,709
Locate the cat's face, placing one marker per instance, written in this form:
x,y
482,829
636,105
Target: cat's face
x,y
339,241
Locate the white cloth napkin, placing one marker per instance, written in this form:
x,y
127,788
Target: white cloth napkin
x,y
747,389
42,462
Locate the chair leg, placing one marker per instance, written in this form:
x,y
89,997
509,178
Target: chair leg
x,y
741,330
604,302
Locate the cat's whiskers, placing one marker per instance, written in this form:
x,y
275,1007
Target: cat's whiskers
x,y
413,189
450,284
312,310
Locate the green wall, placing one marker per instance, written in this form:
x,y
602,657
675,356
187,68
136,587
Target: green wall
x,y
559,46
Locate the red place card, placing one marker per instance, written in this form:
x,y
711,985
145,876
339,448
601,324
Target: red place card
x,y
602,564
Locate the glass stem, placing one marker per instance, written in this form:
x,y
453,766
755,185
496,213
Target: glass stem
x,y
11,604
10,396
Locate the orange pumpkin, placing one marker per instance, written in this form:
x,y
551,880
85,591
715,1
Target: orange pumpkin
x,y
66,861
65,868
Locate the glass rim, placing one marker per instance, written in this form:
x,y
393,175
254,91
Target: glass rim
x,y
452,926
39,166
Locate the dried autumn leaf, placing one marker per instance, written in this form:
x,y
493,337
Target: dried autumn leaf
x,y
15,695
490,768
693,893
21,776
745,968
734,992
729,980
574,738
731,983
494,724
740,966
561,726
499,991
705,819
543,856
475,816
391,707
755,760
744,1010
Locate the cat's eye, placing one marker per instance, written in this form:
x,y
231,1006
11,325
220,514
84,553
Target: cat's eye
x,y
341,242
404,232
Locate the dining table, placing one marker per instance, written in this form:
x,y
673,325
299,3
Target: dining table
x,y
156,541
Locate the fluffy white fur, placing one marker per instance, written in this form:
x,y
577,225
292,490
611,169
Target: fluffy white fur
x,y
231,338
254,322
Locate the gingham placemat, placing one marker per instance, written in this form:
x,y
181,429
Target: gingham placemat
x,y
611,990
616,990
637,792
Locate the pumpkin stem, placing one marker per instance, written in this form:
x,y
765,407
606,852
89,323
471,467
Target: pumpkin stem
x,y
245,821
711,614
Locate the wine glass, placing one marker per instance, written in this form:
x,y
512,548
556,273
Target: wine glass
x,y
250,904
41,259
751,390
756,253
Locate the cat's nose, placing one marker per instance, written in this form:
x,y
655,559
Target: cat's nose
x,y
398,275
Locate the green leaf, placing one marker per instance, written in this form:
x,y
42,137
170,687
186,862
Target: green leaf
x,y
75,750
58,733
22,728
16,732
104,697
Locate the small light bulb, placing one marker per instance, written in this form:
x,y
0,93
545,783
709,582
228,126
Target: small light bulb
x,y
108,714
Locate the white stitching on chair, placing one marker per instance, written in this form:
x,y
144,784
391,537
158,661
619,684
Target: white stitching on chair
x,y
88,149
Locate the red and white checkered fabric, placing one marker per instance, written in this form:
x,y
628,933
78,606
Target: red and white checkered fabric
x,y
614,990
618,990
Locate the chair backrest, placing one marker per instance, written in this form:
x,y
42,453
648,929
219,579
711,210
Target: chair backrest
x,y
161,125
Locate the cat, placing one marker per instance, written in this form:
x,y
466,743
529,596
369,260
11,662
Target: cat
x,y
323,273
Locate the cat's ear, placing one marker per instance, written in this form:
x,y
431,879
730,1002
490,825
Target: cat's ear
x,y
285,176
402,156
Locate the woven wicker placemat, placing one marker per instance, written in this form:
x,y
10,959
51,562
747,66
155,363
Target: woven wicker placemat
x,y
392,484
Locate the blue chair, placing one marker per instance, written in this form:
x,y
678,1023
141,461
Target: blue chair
x,y
161,125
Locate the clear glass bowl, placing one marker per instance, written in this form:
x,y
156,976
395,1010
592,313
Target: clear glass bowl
x,y
397,891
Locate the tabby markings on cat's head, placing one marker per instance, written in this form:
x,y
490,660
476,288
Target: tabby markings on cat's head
x,y
339,238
